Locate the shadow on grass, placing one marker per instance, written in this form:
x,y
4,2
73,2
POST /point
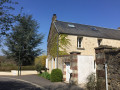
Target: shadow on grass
x,y
13,85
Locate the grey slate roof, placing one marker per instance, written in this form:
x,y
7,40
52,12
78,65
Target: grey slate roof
x,y
86,30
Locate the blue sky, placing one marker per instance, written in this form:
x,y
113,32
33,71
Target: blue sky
x,y
104,13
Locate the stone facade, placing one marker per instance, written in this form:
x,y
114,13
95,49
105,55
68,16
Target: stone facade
x,y
88,44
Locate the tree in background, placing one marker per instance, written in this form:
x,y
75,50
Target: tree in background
x,y
41,60
23,41
40,63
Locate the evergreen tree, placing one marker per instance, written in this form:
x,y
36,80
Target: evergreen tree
x,y
23,41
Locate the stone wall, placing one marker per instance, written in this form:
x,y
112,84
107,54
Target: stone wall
x,y
113,60
111,56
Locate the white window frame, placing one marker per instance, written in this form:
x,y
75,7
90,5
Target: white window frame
x,y
79,42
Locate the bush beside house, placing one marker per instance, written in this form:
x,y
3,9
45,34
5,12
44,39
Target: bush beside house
x,y
91,84
45,75
56,75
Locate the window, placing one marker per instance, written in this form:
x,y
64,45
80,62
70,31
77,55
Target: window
x,y
79,41
99,42
71,25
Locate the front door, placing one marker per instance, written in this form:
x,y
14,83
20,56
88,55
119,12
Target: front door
x,y
67,71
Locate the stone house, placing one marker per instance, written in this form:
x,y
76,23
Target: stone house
x,y
84,39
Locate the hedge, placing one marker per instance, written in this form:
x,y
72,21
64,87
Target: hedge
x,y
9,68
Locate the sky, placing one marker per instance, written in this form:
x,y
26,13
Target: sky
x,y
103,13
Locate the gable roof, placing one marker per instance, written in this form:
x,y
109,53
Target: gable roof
x,y
86,30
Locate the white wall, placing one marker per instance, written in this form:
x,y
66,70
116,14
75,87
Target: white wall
x,y
85,68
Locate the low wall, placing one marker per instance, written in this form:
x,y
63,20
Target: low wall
x,y
15,72
5,73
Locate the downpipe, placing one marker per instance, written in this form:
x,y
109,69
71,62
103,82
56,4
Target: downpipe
x,y
106,76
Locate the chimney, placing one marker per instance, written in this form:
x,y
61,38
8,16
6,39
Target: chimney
x,y
118,28
54,17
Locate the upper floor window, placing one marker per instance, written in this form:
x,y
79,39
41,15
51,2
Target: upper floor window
x,y
99,42
79,42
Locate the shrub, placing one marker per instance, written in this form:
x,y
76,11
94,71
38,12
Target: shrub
x,y
95,83
38,68
91,84
45,75
56,75
40,63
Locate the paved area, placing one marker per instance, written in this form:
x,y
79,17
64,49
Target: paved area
x,y
41,83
